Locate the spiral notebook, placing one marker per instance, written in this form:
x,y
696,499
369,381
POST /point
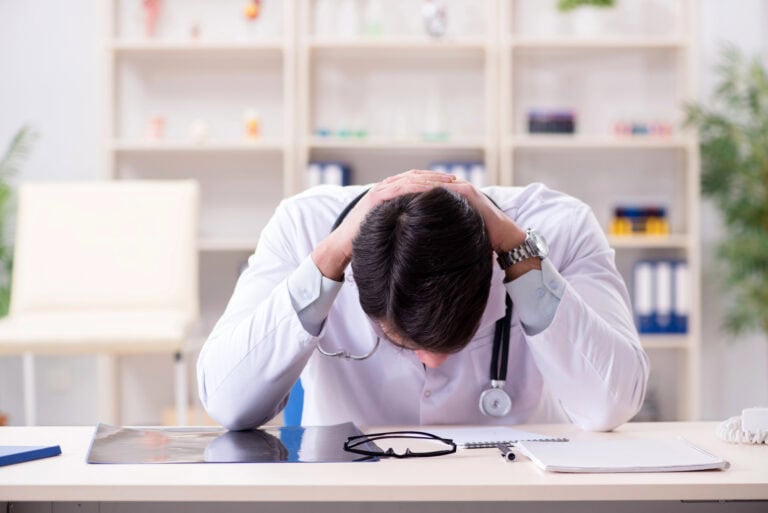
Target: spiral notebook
x,y
490,436
636,455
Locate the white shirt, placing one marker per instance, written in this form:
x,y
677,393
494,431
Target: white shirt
x,y
586,365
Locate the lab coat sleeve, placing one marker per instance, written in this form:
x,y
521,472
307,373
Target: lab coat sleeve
x,y
590,354
535,300
259,346
311,304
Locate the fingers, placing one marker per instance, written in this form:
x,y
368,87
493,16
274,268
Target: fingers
x,y
462,187
392,190
415,180
415,174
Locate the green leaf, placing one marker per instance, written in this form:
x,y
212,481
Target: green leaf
x,y
569,5
18,150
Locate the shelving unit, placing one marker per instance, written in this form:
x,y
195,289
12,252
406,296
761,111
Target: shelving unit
x,y
524,156
394,86
242,179
407,63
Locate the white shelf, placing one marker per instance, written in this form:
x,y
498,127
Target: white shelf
x,y
191,46
666,341
530,62
397,43
389,143
568,141
596,43
649,241
492,60
222,244
258,145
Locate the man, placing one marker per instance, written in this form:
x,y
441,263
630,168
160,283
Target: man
x,y
453,311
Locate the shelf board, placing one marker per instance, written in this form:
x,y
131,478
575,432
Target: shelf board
x,y
390,143
666,341
397,43
223,244
596,43
649,241
258,145
190,46
568,142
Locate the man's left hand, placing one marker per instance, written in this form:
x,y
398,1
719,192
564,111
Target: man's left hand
x,y
503,232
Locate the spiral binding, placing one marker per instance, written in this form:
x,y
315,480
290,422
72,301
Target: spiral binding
x,y
490,445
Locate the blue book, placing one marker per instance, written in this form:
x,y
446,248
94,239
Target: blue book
x,y
10,454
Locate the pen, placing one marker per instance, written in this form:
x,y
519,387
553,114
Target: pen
x,y
506,452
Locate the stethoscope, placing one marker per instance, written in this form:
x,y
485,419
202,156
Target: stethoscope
x,y
494,401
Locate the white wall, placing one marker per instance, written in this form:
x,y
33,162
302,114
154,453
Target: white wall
x,y
50,61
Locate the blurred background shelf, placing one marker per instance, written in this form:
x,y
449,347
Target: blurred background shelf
x,y
416,43
576,43
650,241
672,342
190,47
591,142
388,143
208,146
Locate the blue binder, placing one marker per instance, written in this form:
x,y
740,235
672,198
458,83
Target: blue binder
x,y
10,454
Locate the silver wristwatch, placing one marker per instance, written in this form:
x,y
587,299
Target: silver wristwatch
x,y
534,245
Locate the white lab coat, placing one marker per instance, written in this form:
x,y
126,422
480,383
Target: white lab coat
x,y
587,366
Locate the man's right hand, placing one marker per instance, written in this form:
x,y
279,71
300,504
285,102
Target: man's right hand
x,y
333,254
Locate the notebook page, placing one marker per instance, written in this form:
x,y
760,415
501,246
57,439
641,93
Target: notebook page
x,y
666,455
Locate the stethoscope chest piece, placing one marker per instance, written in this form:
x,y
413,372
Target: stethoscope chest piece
x,y
495,402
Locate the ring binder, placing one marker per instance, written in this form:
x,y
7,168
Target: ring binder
x,y
489,445
490,436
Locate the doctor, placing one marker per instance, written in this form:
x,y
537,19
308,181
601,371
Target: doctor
x,y
459,307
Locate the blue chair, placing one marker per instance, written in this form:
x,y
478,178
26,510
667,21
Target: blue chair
x,y
292,411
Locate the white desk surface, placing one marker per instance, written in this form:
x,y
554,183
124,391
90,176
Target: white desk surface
x,y
469,475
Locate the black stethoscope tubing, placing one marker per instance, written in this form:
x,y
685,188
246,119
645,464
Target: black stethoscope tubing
x,y
501,335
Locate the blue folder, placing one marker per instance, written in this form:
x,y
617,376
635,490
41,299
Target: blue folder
x,y
10,454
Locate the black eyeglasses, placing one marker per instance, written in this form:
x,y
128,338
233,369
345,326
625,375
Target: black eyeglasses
x,y
366,445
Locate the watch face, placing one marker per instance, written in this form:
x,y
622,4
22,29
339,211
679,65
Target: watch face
x,y
539,244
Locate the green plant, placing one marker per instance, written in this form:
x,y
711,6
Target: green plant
x,y
18,150
569,5
734,151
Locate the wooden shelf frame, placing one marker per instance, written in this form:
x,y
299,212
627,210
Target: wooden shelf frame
x,y
684,47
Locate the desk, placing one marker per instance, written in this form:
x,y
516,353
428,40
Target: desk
x,y
468,476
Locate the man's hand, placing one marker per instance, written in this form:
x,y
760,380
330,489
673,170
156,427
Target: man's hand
x,y
503,233
333,254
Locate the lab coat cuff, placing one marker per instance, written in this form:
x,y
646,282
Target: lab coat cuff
x,y
536,296
312,295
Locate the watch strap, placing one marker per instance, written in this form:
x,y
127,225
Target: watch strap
x,y
516,255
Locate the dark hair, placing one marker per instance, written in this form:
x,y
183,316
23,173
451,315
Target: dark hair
x,y
422,263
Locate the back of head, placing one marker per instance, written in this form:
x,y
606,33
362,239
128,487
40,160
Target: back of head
x,y
422,263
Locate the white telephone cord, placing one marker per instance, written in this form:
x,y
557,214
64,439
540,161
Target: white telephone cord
x,y
730,431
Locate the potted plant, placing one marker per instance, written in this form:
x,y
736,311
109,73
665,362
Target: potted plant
x,y
586,20
733,130
17,152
